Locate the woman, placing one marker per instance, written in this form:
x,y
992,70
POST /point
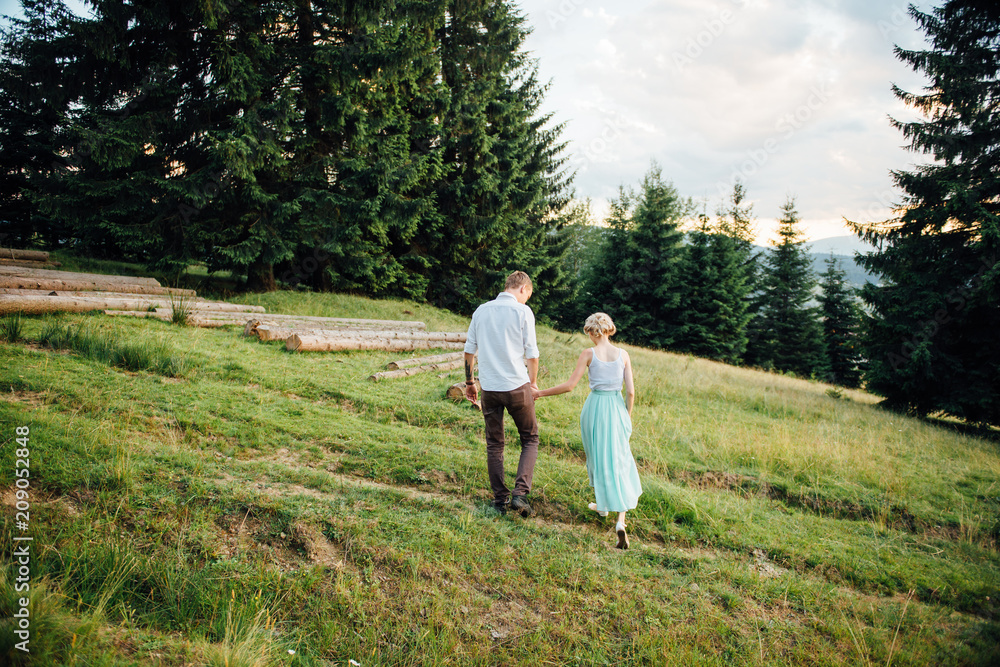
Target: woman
x,y
606,422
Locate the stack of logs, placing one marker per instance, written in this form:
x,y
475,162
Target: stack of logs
x,y
31,259
327,334
30,286
27,287
333,334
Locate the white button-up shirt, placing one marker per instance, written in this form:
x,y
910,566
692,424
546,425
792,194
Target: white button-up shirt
x,y
503,333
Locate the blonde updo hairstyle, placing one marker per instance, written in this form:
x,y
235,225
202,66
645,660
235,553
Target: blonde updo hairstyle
x,y
599,324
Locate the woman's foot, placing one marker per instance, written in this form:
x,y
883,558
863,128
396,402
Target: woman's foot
x,y
593,506
622,535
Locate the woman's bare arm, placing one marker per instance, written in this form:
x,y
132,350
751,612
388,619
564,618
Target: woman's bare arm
x,y
629,384
581,365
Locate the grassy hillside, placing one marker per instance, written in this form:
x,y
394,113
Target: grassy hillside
x,y
207,499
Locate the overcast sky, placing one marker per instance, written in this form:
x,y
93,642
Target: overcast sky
x,y
790,96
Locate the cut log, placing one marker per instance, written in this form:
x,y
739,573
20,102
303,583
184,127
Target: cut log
x,y
48,274
334,342
331,324
268,333
48,284
190,300
33,305
27,264
406,372
421,361
31,255
165,316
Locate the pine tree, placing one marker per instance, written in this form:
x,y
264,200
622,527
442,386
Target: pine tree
x,y
502,183
651,270
32,107
361,147
788,335
931,338
713,314
606,278
841,322
160,133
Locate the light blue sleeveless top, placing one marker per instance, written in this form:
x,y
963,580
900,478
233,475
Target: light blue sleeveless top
x,y
606,375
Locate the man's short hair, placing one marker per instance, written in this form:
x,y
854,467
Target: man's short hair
x,y
517,279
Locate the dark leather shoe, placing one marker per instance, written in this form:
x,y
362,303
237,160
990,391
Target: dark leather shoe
x,y
520,505
501,507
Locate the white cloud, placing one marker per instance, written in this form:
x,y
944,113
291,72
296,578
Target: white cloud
x,y
795,96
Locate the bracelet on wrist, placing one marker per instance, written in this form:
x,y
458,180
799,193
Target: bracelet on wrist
x,y
470,382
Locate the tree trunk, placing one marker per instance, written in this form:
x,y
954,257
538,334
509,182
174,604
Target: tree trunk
x,y
333,324
406,372
456,392
19,282
34,305
30,255
48,274
260,277
420,361
109,291
335,343
27,263
164,315
269,333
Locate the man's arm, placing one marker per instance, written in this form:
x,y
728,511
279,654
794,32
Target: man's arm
x,y
532,371
530,347
470,381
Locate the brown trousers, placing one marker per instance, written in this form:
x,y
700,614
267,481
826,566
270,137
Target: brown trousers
x,y
521,407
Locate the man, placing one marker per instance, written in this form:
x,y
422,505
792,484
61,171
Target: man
x,y
502,332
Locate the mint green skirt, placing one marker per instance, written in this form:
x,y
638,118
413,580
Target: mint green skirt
x,y
606,427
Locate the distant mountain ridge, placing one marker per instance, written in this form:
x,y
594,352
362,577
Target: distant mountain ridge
x,y
842,248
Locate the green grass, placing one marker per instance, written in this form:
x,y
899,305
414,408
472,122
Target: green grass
x,y
261,507
12,327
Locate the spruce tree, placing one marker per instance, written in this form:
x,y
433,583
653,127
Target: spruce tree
x,y
713,315
502,180
651,270
841,322
33,109
606,278
930,341
788,335
161,135
362,143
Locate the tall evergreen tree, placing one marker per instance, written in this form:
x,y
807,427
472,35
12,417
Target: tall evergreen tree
x,y
736,220
841,323
502,181
159,134
605,279
931,338
33,106
713,314
363,142
651,271
788,335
